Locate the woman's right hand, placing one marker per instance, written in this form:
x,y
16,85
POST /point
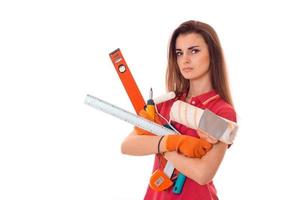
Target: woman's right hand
x,y
143,113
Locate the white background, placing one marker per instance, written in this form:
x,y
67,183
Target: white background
x,y
53,53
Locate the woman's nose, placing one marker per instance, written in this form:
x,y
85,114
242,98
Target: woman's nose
x,y
186,58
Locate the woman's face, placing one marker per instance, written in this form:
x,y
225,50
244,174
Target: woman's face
x,y
192,56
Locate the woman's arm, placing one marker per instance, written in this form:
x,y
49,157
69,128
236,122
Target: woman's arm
x,y
200,170
140,145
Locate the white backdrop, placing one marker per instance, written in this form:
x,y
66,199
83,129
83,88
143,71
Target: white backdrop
x,y
53,53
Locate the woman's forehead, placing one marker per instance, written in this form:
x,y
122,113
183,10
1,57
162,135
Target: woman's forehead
x,y
184,41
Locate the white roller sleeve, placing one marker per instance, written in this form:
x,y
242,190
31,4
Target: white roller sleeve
x,y
164,97
203,120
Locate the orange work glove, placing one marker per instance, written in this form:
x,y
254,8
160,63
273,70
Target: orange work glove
x,y
187,145
146,115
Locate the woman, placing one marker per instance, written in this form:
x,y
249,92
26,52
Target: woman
x,y
197,74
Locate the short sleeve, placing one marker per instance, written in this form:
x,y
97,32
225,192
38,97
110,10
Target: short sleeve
x,y
227,113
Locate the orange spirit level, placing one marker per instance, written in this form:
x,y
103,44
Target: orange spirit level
x,y
127,79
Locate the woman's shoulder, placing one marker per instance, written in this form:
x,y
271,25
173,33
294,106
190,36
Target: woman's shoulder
x,y
165,104
224,109
168,103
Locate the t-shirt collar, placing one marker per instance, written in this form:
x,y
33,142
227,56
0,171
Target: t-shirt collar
x,y
203,98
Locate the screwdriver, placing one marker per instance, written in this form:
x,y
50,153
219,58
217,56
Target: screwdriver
x,y
150,108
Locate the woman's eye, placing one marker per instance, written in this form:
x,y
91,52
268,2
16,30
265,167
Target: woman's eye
x,y
195,51
178,54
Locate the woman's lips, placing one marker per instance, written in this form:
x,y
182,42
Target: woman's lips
x,y
187,69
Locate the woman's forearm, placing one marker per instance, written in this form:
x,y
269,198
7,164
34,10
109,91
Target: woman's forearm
x,y
140,145
200,170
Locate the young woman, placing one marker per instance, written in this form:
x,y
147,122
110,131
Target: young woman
x,y
197,74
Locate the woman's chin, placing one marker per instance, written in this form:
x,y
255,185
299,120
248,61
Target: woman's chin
x,y
188,76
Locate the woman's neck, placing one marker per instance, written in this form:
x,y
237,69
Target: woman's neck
x,y
199,86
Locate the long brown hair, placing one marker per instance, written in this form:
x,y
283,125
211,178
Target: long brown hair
x,y
176,82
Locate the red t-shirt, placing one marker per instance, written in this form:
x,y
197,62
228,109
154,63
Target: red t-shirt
x,y
191,189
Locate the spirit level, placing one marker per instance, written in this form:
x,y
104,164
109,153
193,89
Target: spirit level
x,y
127,116
127,79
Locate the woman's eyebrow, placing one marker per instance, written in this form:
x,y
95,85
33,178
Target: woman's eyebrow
x,y
192,47
188,48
